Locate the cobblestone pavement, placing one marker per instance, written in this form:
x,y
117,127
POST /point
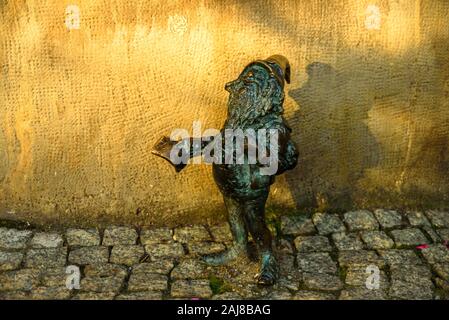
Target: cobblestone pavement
x,y
356,255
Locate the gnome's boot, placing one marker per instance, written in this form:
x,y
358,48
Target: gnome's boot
x,y
269,269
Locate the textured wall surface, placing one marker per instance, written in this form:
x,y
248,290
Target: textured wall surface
x,y
81,108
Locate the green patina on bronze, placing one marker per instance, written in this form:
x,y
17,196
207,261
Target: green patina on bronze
x,y
255,102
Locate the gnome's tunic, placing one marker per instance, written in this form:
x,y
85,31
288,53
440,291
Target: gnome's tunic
x,y
245,181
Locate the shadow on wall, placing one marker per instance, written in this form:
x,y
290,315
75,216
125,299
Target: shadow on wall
x,y
401,82
335,144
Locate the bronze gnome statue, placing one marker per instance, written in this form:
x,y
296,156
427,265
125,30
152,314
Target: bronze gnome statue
x,y
255,107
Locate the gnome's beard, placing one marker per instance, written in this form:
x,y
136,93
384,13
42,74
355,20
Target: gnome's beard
x,y
244,108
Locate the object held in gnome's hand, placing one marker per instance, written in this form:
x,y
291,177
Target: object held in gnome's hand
x,y
178,153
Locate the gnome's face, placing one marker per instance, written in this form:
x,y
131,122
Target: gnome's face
x,y
249,95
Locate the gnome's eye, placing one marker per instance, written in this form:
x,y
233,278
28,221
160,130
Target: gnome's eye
x,y
249,77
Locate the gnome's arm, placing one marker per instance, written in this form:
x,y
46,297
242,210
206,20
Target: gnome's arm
x,y
285,148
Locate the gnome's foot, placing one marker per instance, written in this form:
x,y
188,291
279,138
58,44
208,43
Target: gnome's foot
x,y
216,259
269,270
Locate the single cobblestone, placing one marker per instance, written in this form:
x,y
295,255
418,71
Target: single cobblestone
x,y
417,274
359,258
362,293
190,269
328,223
290,275
194,233
291,282
147,282
46,257
313,295
202,248
46,240
142,295
14,295
83,237
439,219
286,263
221,232
278,295
299,225
14,239
360,220
407,238
160,266
409,291
316,263
388,219
10,260
312,244
105,270
357,276
53,277
19,280
126,254
345,241
89,255
95,296
191,289
50,293
250,291
164,250
102,284
227,296
119,236
400,257
377,240
417,219
322,281
158,235
437,253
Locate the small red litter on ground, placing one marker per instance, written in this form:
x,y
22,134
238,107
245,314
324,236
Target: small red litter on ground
x,y
422,246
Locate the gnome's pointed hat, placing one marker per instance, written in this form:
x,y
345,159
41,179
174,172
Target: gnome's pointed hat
x,y
282,66
277,66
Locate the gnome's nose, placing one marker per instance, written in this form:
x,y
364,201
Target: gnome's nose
x,y
228,86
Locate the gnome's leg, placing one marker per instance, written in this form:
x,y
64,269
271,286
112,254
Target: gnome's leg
x,y
239,233
254,213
